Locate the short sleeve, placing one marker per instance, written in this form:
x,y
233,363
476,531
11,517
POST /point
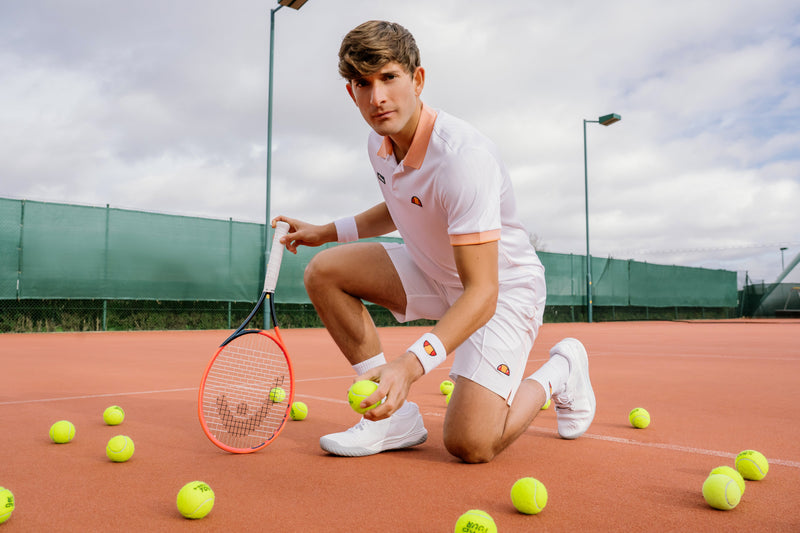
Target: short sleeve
x,y
470,195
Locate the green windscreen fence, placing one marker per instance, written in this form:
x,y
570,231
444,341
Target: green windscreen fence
x,y
61,251
655,286
566,280
65,251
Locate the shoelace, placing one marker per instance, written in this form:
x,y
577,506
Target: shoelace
x,y
563,402
361,426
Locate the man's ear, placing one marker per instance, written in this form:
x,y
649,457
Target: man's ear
x,y
419,80
350,92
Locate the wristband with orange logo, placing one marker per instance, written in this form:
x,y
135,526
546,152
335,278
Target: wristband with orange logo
x,y
429,350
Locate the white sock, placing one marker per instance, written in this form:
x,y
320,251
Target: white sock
x,y
552,375
369,364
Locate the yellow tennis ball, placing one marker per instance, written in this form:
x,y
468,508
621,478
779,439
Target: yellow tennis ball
x,y
114,415
120,448
195,500
6,504
721,492
639,418
731,473
752,465
529,495
277,394
298,411
546,404
446,387
475,521
62,432
447,399
360,390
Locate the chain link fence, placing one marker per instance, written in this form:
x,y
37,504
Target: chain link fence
x,y
77,268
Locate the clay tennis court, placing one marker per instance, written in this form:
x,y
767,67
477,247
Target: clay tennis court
x,y
712,389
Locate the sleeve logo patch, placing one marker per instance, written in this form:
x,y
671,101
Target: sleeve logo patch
x,y
416,201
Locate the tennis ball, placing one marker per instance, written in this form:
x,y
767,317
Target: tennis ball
x,y
114,415
639,418
120,448
447,399
475,521
298,411
195,500
546,404
6,504
277,394
731,473
721,492
529,495
62,432
446,387
360,390
752,465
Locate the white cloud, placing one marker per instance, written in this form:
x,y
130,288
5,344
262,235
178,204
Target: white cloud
x,y
162,106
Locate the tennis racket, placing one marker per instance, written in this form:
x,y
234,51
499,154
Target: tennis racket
x,y
247,388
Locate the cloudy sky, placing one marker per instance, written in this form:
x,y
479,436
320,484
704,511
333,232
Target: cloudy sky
x,y
162,106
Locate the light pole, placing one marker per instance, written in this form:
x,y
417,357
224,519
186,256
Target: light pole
x,y
782,250
605,120
294,4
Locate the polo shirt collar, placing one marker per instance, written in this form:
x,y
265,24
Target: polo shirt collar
x,y
419,144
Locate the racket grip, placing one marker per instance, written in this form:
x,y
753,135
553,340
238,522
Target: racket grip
x,y
275,257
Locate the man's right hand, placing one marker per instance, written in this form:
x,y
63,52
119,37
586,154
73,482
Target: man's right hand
x,y
303,233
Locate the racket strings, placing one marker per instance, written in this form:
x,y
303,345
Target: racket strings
x,y
237,406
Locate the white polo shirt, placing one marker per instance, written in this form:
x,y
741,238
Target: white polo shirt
x,y
452,189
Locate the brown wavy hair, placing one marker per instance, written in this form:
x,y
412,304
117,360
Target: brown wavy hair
x,y
369,46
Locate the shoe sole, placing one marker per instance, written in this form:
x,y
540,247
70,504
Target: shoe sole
x,y
583,361
335,448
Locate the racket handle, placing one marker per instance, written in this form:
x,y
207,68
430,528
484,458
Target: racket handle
x,y
275,257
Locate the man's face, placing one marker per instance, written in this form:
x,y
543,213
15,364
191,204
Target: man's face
x,y
388,100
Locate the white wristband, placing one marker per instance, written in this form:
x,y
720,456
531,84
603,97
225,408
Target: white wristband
x,y
346,229
429,350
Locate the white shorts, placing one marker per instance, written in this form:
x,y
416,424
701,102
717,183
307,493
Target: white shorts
x,y
495,355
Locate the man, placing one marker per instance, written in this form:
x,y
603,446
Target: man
x,y
466,261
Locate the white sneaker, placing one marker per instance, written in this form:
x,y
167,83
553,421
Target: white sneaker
x,y
401,430
575,405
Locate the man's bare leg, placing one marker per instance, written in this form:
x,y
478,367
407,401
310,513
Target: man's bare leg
x,y
480,424
337,279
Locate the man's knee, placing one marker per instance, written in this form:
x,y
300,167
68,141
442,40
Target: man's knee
x,y
318,271
469,450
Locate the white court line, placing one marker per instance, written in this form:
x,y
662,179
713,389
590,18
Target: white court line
x,y
95,396
618,440
320,398
687,449
694,356
325,378
606,438
89,396
670,447
659,445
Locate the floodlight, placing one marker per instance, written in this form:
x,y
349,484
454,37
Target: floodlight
x,y
294,4
607,120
